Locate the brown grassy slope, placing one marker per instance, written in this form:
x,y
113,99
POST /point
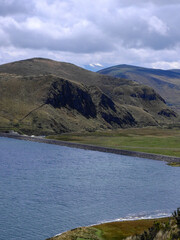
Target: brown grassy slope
x,y
165,82
109,231
25,102
47,104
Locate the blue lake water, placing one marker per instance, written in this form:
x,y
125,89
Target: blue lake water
x,y
47,189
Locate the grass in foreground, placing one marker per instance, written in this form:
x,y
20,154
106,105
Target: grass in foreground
x,y
121,230
150,140
110,231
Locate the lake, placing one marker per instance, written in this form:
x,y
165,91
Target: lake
x,y
47,189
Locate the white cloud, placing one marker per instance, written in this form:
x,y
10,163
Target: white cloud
x,y
166,65
157,25
106,32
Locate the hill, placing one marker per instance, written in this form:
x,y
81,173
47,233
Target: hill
x,y
165,82
42,96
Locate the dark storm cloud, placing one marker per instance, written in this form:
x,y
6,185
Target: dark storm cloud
x,y
36,34
13,7
78,44
141,2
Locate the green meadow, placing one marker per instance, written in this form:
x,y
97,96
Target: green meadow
x,y
150,140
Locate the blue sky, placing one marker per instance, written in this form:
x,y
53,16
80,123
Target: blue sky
x,y
92,34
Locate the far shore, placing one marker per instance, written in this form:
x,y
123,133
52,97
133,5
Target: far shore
x,y
169,159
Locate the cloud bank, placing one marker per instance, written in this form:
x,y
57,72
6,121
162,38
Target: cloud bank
x,y
106,32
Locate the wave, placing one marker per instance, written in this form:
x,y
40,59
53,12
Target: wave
x,y
140,216
132,217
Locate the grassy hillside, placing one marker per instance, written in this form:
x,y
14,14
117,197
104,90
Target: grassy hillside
x,y
41,96
49,104
110,231
148,229
165,82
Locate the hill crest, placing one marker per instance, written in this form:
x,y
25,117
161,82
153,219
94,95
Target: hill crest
x,y
165,82
43,96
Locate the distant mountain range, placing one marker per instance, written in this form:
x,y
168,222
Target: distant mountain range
x,y
165,82
42,96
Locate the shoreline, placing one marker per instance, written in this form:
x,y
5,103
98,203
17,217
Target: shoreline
x,y
114,225
152,156
127,219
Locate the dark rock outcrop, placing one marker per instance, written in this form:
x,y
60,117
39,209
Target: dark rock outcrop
x,y
63,93
167,113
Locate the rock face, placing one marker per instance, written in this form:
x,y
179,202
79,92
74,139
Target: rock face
x,y
167,113
41,96
62,93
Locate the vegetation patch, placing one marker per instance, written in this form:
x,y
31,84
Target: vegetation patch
x,y
121,230
147,229
110,231
173,164
149,140
82,233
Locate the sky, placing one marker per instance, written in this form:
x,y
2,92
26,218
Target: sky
x,y
93,34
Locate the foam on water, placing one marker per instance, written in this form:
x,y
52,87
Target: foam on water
x,y
141,216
